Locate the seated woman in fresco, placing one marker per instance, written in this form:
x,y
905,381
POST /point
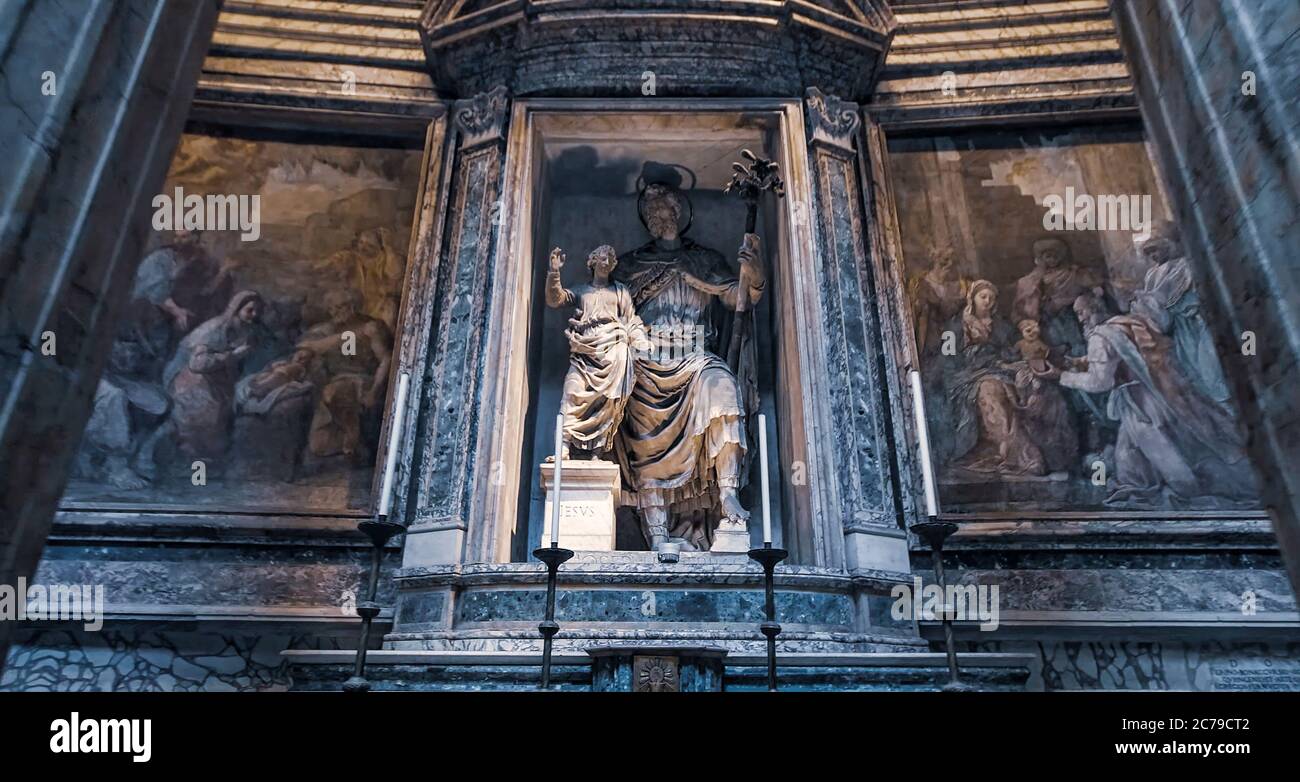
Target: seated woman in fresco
x,y
1002,424
201,379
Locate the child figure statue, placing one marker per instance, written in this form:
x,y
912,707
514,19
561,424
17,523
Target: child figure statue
x,y
604,334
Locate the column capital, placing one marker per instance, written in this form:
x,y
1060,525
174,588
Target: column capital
x,y
482,118
830,120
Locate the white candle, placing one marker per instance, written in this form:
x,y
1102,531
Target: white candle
x,y
555,498
923,436
762,460
394,440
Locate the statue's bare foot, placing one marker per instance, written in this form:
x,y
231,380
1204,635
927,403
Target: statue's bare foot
x,y
564,455
732,510
146,469
118,475
685,544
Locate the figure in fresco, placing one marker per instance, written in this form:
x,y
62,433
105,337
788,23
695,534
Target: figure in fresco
x,y
995,430
1177,447
337,218
603,335
109,444
353,354
1168,297
201,380
272,408
683,439
130,401
1046,413
184,281
937,296
177,287
988,195
1046,294
372,266
1033,350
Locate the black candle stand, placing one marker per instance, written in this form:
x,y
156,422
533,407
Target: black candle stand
x,y
768,557
380,530
553,556
934,533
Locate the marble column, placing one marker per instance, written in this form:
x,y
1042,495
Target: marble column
x,y
447,472
1217,86
874,543
96,95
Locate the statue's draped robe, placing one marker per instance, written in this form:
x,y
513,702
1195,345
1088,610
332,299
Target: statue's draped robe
x,y
687,404
600,377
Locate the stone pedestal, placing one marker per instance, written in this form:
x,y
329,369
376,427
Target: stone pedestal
x,y
589,497
730,538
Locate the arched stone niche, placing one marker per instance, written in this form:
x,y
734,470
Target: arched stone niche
x,y
669,48
564,174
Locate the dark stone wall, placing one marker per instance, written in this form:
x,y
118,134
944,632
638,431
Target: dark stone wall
x,y
1176,605
195,608
131,659
1231,163
83,159
1197,666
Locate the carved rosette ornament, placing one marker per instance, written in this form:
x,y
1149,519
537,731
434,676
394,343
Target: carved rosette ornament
x,y
829,119
655,674
482,118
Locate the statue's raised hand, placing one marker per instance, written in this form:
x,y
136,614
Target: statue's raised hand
x,y
557,259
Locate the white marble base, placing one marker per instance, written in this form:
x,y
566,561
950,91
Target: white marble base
x,y
730,539
882,549
590,494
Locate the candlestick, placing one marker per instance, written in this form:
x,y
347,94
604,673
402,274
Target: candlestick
x,y
394,440
380,531
555,498
769,557
923,437
935,533
762,460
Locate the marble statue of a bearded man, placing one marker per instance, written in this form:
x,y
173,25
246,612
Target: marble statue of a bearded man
x,y
683,438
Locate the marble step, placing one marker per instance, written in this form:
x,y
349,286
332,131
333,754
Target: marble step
x,y
507,670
